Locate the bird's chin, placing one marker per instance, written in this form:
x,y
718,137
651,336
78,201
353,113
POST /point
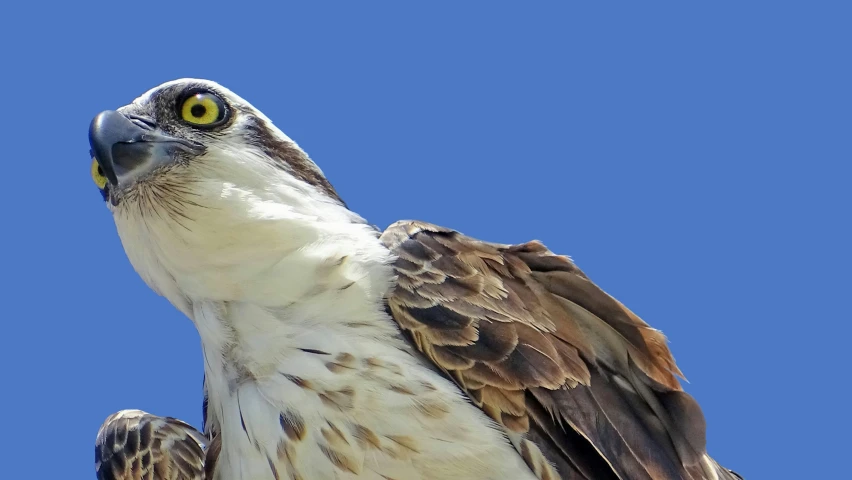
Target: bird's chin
x,y
130,196
147,200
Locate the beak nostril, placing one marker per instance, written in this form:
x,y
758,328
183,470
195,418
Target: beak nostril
x,y
143,122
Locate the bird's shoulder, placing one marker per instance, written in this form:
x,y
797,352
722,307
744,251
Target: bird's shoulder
x,y
565,368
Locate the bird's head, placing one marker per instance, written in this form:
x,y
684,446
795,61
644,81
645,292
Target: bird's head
x,y
186,131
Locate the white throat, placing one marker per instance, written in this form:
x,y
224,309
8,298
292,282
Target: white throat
x,y
246,231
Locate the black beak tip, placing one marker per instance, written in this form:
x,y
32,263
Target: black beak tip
x,y
107,129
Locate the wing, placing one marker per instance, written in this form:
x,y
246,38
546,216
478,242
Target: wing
x,y
584,388
211,458
135,445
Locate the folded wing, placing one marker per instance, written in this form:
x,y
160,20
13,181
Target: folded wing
x,y
584,388
135,445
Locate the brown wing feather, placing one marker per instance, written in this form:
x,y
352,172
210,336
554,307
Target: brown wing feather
x,y
134,445
564,367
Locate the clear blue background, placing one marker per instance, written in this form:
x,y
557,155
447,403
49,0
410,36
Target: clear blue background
x,y
693,159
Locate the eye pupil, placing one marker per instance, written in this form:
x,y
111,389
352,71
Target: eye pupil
x,y
198,111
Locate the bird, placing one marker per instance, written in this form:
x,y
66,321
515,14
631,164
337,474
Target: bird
x,y
335,350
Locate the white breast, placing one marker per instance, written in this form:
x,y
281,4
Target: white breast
x,y
333,408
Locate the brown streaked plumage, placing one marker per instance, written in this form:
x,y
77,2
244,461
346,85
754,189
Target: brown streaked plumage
x,y
571,373
135,445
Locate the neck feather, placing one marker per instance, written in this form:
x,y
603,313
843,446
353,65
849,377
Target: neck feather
x,y
262,238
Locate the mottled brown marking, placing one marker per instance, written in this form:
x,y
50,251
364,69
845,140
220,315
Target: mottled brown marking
x,y
287,454
375,363
433,408
343,399
293,425
307,385
404,441
401,389
396,452
340,460
334,367
428,386
342,362
365,437
334,436
346,359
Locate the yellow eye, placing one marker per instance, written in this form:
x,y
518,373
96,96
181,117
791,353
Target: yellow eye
x,y
98,175
203,109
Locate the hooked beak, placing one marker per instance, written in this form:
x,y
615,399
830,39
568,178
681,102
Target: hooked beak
x,y
128,147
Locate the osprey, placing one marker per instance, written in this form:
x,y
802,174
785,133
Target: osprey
x,y
335,351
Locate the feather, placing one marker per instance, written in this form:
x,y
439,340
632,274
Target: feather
x,y
135,445
571,374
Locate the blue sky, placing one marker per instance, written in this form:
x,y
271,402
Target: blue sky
x,y
693,159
